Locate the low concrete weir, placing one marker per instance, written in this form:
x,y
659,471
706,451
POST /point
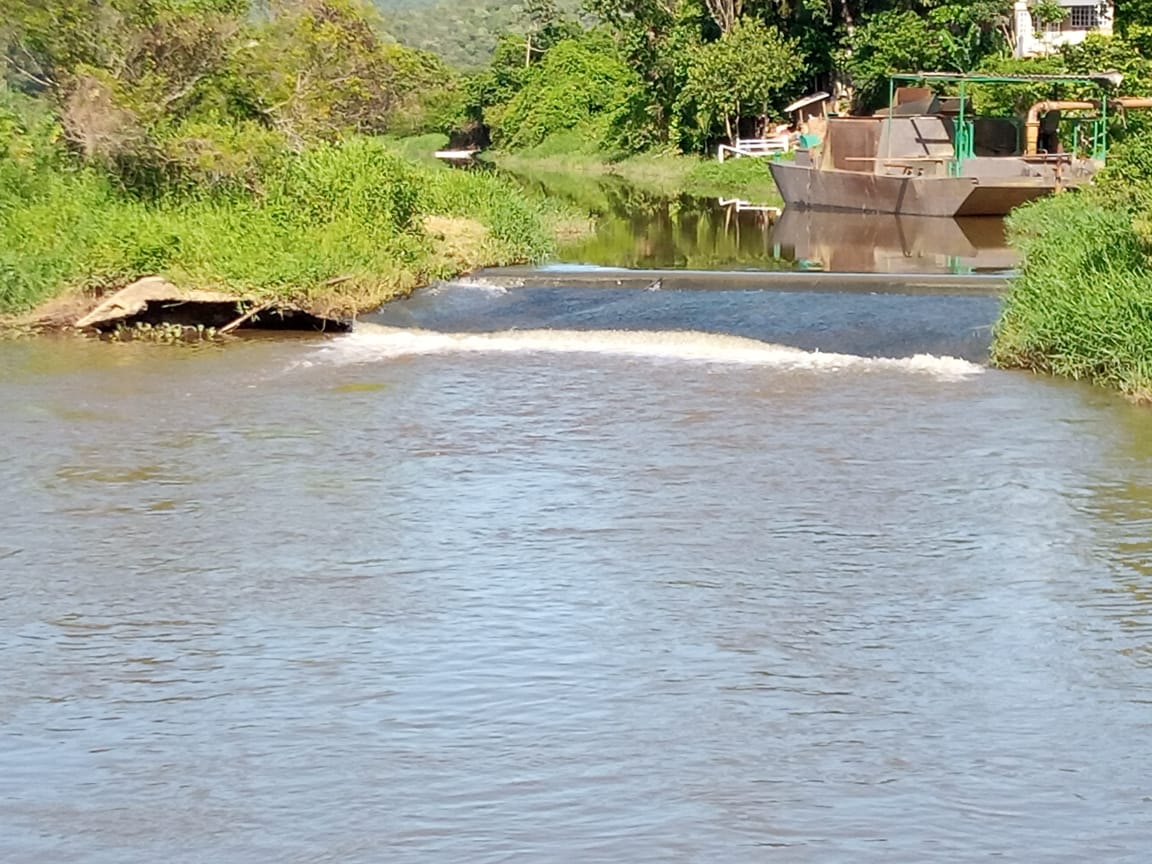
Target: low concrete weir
x,y
866,315
974,284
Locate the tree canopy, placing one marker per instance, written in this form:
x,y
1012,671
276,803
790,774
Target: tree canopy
x,y
207,88
206,91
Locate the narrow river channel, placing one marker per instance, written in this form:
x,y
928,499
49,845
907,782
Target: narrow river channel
x,y
601,588
636,228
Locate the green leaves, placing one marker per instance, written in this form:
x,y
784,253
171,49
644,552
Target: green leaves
x,y
580,83
890,42
1080,306
955,37
741,74
169,94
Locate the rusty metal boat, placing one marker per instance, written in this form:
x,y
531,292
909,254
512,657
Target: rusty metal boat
x,y
927,155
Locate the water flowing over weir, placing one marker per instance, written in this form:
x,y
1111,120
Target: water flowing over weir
x,y
375,342
866,315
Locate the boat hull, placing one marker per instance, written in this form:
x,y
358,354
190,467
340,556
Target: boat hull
x,y
864,192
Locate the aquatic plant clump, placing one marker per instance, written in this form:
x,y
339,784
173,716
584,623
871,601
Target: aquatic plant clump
x,y
1081,305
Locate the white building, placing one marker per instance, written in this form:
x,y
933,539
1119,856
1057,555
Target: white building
x,y
1082,17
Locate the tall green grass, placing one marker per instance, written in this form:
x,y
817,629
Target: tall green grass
x,y
747,178
349,214
1081,305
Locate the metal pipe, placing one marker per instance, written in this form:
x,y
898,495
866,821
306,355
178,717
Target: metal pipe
x,y
1133,102
1032,123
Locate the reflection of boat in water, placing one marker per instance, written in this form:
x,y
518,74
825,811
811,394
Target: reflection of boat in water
x,y
886,243
926,155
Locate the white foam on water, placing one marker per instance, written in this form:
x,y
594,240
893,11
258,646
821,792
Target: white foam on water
x,y
478,283
370,343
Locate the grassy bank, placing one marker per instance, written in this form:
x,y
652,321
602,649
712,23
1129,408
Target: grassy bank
x,y
668,174
1082,304
337,229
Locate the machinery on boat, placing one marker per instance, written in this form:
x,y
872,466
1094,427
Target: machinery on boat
x,y
928,155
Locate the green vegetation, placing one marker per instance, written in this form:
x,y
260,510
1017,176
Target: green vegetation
x,y
662,173
465,32
280,148
659,78
353,214
188,139
579,86
679,75
1082,304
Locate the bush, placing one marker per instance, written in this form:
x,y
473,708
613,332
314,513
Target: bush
x,y
360,179
580,84
350,213
1081,305
1126,181
514,221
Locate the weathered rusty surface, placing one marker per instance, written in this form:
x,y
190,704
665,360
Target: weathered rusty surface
x,y
854,191
996,199
901,165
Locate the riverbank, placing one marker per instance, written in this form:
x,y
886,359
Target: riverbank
x,y
336,230
1081,306
667,174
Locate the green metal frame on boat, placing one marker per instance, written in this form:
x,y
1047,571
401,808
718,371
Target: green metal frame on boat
x,y
963,145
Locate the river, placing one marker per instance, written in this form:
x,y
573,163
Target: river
x,y
637,228
600,588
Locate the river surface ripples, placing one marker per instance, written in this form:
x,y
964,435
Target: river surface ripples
x,y
413,597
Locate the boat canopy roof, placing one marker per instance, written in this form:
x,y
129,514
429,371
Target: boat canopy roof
x,y
805,101
1111,78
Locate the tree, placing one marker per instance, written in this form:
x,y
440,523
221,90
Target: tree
x,y
487,93
741,73
203,92
581,84
319,68
968,32
1133,13
945,36
546,26
656,38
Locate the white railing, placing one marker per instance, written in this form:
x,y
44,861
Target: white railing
x,y
755,147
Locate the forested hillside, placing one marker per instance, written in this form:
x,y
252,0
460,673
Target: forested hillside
x,y
463,32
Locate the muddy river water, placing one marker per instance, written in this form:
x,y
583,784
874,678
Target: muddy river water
x,y
602,588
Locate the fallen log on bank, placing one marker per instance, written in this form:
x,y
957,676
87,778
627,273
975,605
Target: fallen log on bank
x,y
156,302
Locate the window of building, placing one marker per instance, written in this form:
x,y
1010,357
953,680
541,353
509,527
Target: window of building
x,y
1084,17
